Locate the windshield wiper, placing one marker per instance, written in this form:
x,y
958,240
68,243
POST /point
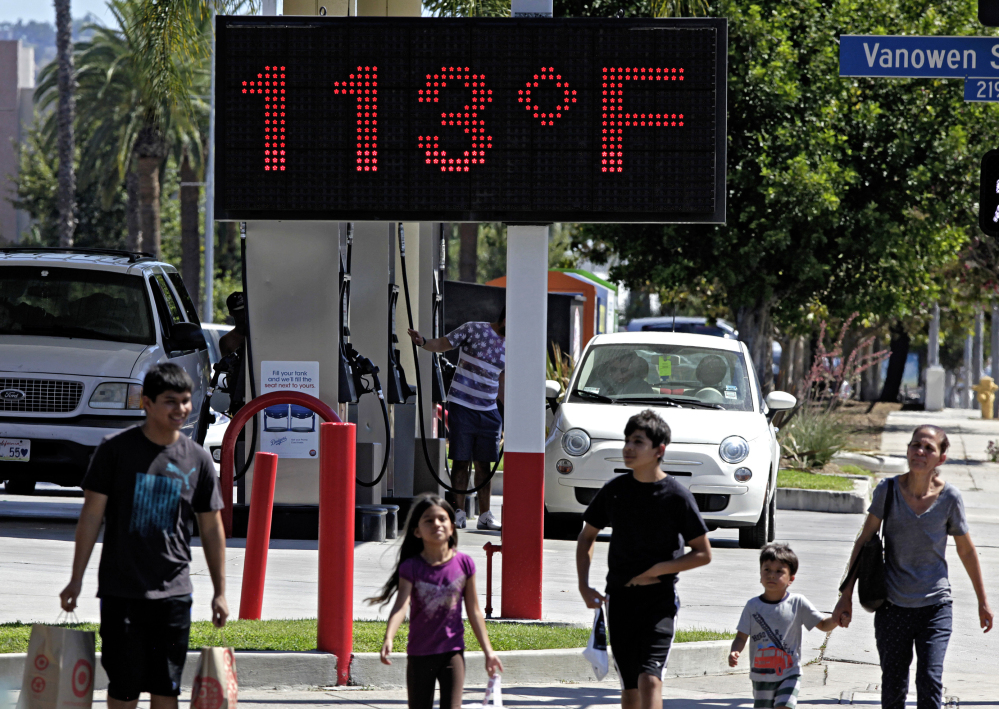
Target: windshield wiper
x,y
582,393
660,400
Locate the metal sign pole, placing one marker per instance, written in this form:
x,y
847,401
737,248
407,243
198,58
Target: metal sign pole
x,y
208,304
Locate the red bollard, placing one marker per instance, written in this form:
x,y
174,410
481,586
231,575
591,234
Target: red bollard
x,y
258,536
336,544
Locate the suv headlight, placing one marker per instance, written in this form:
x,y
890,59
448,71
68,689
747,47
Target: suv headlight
x,y
116,395
733,449
576,441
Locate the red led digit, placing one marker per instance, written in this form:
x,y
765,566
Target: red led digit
x,y
364,85
615,119
270,83
547,116
470,118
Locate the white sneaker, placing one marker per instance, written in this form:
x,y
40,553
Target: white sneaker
x,y
487,521
459,519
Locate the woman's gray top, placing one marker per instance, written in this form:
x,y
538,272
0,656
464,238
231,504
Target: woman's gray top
x,y
916,545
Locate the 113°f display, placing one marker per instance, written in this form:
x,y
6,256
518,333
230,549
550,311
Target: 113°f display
x,y
516,120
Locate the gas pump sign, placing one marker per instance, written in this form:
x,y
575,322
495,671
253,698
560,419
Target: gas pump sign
x,y
516,120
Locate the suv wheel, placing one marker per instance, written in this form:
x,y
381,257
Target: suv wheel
x,y
759,534
20,487
562,526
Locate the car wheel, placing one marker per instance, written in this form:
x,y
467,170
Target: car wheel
x,y
758,535
562,526
20,487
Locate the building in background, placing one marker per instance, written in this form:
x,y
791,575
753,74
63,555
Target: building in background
x,y
17,90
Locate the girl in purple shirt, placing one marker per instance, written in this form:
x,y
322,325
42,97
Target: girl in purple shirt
x,y
435,576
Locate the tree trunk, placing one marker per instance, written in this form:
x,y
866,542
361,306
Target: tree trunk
x,y
788,373
896,364
871,377
151,148
66,197
468,253
757,331
190,237
132,210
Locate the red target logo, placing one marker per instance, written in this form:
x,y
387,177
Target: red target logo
x,y
38,685
83,678
41,662
206,693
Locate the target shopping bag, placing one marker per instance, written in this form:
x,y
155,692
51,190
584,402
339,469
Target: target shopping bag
x,y
215,684
59,669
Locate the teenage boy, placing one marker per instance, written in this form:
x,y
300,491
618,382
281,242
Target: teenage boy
x,y
773,621
148,483
651,516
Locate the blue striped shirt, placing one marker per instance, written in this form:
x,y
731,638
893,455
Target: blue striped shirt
x,y
481,359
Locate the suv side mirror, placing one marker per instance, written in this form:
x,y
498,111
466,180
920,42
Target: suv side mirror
x,y
186,336
780,401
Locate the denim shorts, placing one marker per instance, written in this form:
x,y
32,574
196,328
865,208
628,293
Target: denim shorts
x,y
473,435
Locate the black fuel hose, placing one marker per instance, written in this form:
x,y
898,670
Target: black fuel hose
x,y
249,352
419,390
388,437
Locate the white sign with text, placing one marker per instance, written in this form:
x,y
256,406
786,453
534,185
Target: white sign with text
x,y
290,430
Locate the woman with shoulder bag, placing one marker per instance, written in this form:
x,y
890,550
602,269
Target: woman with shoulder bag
x,y
922,512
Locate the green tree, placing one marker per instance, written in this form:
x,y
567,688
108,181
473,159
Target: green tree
x,y
843,194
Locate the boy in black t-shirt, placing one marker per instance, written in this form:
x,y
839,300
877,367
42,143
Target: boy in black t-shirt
x,y
148,483
652,517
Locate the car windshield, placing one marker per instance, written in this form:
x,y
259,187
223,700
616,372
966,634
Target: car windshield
x,y
697,376
74,302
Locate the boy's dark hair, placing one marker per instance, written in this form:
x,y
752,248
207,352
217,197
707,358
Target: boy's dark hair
x,y
940,434
652,425
782,554
166,376
502,315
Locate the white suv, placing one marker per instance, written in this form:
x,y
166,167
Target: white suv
x,y
79,329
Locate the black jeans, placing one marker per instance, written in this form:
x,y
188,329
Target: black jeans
x,y
424,672
897,629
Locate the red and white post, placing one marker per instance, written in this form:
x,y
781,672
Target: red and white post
x,y
524,420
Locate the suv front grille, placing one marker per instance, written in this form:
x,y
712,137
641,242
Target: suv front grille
x,y
54,396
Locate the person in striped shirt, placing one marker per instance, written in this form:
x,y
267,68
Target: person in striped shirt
x,y
474,423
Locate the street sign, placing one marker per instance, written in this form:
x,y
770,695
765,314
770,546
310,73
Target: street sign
x,y
447,119
988,201
981,90
918,57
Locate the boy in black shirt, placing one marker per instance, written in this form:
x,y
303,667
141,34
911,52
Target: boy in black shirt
x,y
148,483
651,516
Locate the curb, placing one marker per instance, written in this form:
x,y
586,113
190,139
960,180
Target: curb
x,y
258,670
549,666
789,498
874,463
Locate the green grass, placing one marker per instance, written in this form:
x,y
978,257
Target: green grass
x,y
804,480
856,470
300,635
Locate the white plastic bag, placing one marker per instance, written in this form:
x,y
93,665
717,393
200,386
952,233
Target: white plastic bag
x,y
596,648
494,693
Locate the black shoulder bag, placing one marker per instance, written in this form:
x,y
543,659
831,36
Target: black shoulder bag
x,y
869,566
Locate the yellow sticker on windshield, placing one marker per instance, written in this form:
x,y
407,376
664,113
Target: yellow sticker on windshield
x,y
665,366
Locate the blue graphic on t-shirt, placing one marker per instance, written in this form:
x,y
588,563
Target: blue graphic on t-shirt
x,y
155,504
171,468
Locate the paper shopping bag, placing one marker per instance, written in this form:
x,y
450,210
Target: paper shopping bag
x,y
59,669
494,693
215,685
596,648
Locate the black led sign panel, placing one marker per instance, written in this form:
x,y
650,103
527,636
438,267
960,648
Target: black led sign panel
x,y
426,119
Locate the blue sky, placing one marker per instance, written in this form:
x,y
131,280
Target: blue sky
x,y
44,11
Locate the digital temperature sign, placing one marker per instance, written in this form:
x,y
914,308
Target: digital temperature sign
x,y
529,120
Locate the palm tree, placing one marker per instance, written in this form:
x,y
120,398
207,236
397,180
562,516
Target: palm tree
x,y
67,180
679,8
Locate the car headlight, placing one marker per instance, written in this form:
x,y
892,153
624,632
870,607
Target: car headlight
x,y
733,449
116,395
576,441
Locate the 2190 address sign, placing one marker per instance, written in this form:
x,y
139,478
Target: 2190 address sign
x,y
425,119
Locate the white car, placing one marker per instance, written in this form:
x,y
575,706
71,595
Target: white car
x,y
723,448
216,431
